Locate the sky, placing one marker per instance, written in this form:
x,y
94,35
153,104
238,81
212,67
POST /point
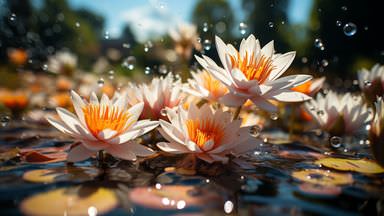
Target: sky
x,y
155,17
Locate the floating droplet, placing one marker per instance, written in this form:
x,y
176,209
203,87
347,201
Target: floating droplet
x,y
147,70
228,206
106,35
366,28
205,27
77,24
4,120
100,82
111,74
129,62
255,130
319,43
274,116
163,112
304,60
344,8
335,141
126,45
12,17
163,69
367,83
338,23
270,24
324,63
243,28
207,44
350,29
44,67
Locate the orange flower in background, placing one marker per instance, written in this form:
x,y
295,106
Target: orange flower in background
x,y
14,100
60,100
17,56
64,84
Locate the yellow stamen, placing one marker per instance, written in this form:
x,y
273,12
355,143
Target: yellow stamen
x,y
201,131
100,117
253,69
214,86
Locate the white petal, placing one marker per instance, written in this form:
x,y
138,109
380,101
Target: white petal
x,y
73,123
264,104
106,134
93,99
138,129
172,147
281,64
121,151
78,105
221,51
291,96
79,153
140,150
268,50
193,147
62,127
208,145
232,100
170,132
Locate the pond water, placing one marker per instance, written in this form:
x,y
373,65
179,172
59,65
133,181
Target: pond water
x,y
278,178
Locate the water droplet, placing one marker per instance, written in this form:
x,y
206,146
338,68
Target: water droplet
x,y
44,67
228,206
163,112
129,62
111,74
335,141
344,8
162,5
282,22
180,204
304,60
367,83
12,17
205,27
270,24
265,140
366,28
126,45
274,116
158,186
163,69
100,82
4,120
319,43
338,23
255,130
147,70
243,28
106,35
350,29
207,44
77,24
92,211
198,39
324,63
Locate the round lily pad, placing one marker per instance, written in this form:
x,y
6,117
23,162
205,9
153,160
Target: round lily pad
x,y
361,165
323,177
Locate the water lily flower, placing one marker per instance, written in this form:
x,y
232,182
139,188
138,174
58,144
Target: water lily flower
x,y
162,92
17,56
14,100
377,132
210,136
62,62
311,87
253,73
372,82
340,114
104,125
205,86
185,38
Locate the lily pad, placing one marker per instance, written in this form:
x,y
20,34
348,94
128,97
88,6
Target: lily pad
x,y
361,165
70,201
322,191
323,177
61,174
34,157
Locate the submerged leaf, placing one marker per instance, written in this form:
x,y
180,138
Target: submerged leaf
x,y
361,165
61,174
323,177
35,157
82,201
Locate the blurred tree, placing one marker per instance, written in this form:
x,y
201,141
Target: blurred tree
x,y
267,21
346,54
217,15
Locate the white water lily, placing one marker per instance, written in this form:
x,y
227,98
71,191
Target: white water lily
x,y
62,62
185,38
162,92
210,136
254,73
372,82
377,132
104,125
340,114
205,86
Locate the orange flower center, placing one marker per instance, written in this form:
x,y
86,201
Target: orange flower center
x,y
100,117
253,69
201,131
214,86
303,88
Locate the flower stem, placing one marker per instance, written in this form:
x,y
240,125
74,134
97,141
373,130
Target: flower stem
x,y
237,112
101,158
